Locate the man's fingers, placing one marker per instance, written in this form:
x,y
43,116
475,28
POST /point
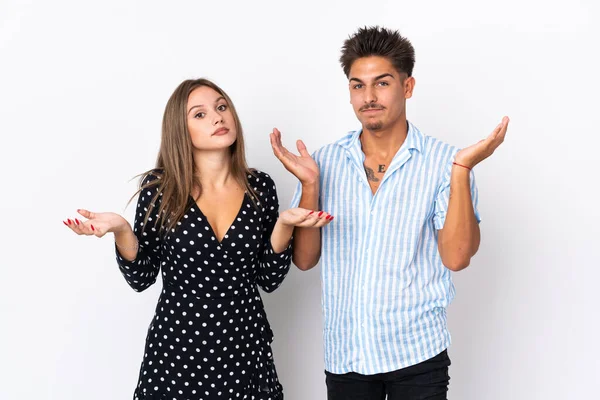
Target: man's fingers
x,y
505,122
277,133
280,145
290,158
281,152
275,147
500,130
497,136
302,148
278,149
273,141
496,131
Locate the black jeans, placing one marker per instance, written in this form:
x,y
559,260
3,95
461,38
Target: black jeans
x,y
426,380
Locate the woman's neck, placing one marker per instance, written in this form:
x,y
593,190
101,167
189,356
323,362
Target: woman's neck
x,y
213,168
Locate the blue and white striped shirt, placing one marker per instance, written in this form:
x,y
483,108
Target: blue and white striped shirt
x,y
384,287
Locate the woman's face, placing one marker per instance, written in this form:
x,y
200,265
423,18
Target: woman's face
x,y
210,121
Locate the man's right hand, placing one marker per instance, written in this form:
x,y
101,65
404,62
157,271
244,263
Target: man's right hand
x,y
303,166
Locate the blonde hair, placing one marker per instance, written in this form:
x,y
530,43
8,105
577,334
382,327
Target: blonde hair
x,y
175,164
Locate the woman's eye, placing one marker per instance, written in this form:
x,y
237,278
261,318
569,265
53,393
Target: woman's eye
x,y
200,115
222,107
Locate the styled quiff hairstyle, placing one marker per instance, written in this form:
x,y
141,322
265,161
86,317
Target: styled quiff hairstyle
x,y
381,42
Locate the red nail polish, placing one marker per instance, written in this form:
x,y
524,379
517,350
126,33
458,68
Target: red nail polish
x,y
76,220
331,218
321,213
311,213
65,223
92,227
69,221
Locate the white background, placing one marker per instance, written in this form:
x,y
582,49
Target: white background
x,y
82,89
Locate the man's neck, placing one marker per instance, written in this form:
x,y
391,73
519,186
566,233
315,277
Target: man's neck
x,y
384,143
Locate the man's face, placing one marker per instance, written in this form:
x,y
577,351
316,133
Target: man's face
x,y
378,92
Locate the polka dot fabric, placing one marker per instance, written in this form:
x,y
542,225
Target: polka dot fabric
x,y
210,338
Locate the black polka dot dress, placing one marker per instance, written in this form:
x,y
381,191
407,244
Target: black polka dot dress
x,y
210,338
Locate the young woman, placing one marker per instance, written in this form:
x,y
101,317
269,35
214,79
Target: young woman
x,y
211,225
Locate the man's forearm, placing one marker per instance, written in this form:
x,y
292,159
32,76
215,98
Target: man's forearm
x,y
460,238
307,241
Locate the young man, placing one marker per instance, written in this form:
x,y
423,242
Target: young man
x,y
405,209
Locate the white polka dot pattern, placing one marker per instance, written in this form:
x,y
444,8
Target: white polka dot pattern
x,y
210,337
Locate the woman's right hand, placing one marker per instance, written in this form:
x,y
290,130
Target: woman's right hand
x,y
97,224
303,218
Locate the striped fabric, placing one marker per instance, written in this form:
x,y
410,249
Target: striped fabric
x,y
384,287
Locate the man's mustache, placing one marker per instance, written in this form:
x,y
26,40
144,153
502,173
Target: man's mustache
x,y
371,106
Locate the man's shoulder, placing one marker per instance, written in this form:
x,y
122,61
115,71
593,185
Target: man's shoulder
x,y
432,146
333,150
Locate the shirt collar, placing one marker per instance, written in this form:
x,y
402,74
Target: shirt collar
x,y
414,140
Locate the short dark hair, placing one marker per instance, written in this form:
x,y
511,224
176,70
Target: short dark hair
x,y
382,42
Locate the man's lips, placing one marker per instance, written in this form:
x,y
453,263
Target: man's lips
x,y
372,110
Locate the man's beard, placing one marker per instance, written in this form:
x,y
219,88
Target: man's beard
x,y
377,125
374,126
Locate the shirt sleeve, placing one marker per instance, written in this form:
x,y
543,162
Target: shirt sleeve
x,y
273,267
443,197
142,272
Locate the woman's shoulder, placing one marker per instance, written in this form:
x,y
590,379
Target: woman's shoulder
x,y
260,181
150,182
151,176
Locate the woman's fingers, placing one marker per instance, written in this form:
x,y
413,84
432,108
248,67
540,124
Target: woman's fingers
x,y
316,219
86,213
324,219
304,218
73,224
97,230
78,226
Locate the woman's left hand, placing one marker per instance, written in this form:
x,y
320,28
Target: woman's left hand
x,y
304,218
